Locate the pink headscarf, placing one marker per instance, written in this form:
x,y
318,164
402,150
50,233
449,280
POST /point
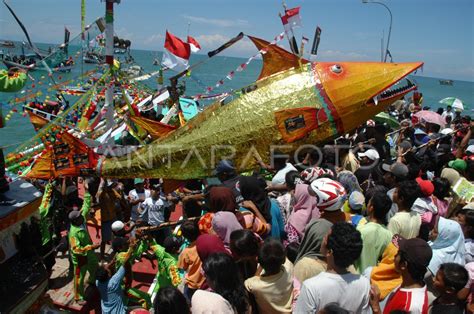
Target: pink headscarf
x,y
304,209
223,223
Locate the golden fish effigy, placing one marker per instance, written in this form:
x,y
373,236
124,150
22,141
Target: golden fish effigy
x,y
293,102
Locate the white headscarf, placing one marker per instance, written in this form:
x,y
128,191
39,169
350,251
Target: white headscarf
x,y
448,247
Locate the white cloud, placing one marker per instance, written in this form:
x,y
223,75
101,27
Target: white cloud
x,y
216,22
153,39
439,52
454,71
123,33
212,40
345,55
243,47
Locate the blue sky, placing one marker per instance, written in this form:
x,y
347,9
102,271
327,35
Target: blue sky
x,y
438,32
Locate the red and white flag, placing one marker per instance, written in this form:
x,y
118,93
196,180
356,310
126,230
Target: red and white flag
x,y
193,43
291,19
176,53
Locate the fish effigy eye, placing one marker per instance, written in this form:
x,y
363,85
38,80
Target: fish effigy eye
x,y
336,68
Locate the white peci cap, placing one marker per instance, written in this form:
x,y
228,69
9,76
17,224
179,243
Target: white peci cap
x,y
117,226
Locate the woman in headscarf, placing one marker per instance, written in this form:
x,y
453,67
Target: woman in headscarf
x,y
287,200
220,199
207,244
303,211
447,243
384,274
309,261
253,192
223,224
349,181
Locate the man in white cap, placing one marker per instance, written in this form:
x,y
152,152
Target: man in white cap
x,y
136,197
369,161
119,229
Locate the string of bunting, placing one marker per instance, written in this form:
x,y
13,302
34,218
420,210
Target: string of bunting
x,y
240,68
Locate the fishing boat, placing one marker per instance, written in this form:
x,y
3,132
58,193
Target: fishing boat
x,y
55,60
24,61
446,82
133,70
93,57
33,66
39,118
121,46
7,44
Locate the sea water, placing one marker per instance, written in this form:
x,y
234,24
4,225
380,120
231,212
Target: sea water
x,y
207,74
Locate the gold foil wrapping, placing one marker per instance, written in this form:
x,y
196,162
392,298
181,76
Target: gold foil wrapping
x,y
246,126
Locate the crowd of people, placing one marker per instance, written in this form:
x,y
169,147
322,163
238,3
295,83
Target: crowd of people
x,y
374,222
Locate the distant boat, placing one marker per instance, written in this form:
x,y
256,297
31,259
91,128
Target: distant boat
x,y
32,66
7,44
93,58
446,82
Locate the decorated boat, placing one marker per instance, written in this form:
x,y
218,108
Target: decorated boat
x,y
24,276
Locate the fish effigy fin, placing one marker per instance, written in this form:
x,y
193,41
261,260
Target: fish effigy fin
x,y
275,58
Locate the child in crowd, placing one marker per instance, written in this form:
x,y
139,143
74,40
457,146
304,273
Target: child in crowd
x,y
189,260
449,280
355,206
411,262
170,300
273,288
424,204
333,308
292,250
441,193
465,217
244,245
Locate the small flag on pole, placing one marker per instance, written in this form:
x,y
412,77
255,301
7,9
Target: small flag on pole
x,y
317,38
291,19
176,53
193,43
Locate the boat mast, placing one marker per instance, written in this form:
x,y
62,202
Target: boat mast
x,y
109,59
83,29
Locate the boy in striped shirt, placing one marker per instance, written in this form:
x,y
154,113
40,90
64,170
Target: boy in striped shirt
x,y
411,261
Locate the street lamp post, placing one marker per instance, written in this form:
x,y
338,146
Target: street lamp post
x,y
390,27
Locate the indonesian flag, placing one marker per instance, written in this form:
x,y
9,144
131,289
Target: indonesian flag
x,y
291,19
195,47
176,53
